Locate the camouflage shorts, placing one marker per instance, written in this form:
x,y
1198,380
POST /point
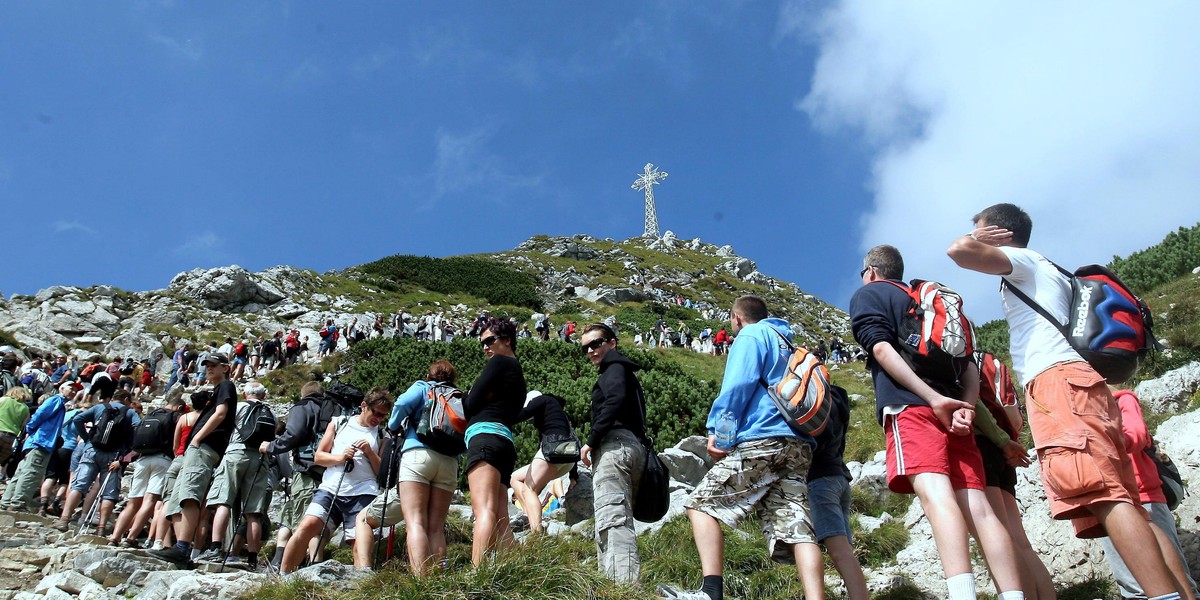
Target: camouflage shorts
x,y
766,475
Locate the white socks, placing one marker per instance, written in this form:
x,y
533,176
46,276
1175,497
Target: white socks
x,y
1012,595
1171,596
962,586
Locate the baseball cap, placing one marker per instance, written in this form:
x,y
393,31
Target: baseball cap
x,y
216,358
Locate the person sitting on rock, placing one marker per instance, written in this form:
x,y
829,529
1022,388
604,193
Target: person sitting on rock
x,y
349,451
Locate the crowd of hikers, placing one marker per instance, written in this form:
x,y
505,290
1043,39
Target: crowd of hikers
x,y
353,464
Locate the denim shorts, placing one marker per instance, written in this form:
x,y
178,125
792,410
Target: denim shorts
x,y
829,499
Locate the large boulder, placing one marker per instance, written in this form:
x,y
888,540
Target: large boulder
x,y
738,267
1177,437
573,250
615,296
1170,392
134,343
229,288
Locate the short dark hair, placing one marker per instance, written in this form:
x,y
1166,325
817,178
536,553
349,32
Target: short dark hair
x,y
602,328
503,328
312,388
886,260
1010,217
377,397
122,396
751,308
442,371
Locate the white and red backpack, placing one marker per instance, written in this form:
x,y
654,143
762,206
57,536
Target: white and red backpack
x,y
935,338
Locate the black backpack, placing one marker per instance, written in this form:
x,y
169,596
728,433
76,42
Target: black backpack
x,y
156,433
112,429
257,425
390,450
328,409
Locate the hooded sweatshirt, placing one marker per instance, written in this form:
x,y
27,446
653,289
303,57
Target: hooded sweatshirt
x,y
616,399
44,425
757,358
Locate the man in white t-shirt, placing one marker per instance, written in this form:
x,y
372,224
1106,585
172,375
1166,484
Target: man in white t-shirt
x,y
1075,422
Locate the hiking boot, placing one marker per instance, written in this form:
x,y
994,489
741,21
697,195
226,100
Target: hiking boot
x,y
212,555
171,554
666,591
62,526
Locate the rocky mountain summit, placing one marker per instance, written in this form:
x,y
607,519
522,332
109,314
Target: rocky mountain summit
x,y
577,274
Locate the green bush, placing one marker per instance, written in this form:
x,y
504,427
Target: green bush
x,y
496,283
1161,263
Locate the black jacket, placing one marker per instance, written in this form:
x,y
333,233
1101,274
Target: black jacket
x,y
829,457
303,422
616,399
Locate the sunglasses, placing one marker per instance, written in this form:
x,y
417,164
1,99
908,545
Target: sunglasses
x,y
382,416
488,341
864,271
595,345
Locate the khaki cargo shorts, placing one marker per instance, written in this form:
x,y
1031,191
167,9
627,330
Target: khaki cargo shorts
x,y
240,483
194,477
767,476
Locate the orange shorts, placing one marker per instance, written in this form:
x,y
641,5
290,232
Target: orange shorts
x,y
1076,428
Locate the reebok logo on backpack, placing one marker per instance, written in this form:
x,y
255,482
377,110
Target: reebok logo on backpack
x,y
156,433
802,395
257,425
443,421
112,428
1107,324
935,338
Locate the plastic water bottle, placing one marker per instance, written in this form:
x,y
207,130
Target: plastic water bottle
x,y
726,431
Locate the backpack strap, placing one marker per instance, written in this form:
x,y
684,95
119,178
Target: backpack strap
x,y
1038,308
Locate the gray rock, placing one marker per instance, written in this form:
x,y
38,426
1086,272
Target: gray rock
x,y
328,573
115,570
614,296
870,479
684,466
71,582
55,291
135,344
573,250
1170,392
225,288
224,586
289,310
696,444
738,267
95,591
579,500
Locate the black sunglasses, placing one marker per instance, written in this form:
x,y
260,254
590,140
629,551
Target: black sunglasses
x,y
596,343
864,271
488,341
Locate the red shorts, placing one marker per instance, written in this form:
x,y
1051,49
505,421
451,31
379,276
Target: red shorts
x,y
918,443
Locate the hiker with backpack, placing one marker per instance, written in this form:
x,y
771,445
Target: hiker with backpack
x,y
614,451
429,413
1139,444
240,357
153,441
306,423
491,409
349,452
206,444
160,528
40,441
1073,402
111,437
240,482
927,417
762,463
558,451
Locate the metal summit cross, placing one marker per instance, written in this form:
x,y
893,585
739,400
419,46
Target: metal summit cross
x,y
649,178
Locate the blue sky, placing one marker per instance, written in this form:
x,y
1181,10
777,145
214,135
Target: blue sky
x,y
142,139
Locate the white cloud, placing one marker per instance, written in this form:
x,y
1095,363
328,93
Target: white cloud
x,y
1082,113
464,163
187,49
72,227
203,248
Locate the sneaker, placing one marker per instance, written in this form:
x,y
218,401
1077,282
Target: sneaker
x,y
235,561
212,555
171,554
666,591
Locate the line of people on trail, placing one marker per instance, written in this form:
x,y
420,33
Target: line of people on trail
x,y
952,434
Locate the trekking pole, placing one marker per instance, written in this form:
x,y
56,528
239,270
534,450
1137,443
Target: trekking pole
x,y
242,514
388,484
87,519
325,520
